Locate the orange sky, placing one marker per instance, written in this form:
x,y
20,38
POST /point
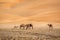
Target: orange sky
x,y
29,10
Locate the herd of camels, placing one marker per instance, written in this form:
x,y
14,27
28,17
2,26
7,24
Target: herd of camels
x,y
27,26
23,26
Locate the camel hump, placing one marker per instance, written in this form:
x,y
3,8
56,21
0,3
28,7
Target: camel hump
x,y
50,25
30,24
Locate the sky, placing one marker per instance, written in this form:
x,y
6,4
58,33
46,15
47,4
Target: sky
x,y
12,11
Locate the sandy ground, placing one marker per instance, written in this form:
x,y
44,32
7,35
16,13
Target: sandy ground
x,y
40,31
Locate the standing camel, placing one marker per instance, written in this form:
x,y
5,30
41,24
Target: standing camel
x,y
29,26
22,26
50,27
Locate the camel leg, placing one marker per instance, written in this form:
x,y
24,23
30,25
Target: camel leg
x,y
32,27
50,29
23,27
20,27
26,28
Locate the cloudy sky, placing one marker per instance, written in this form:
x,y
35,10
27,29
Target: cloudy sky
x,y
29,10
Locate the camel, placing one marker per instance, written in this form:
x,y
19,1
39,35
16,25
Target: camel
x,y
28,26
50,27
22,26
